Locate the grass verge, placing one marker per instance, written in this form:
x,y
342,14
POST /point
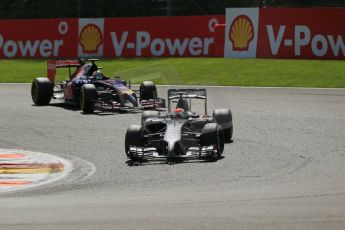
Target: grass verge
x,y
199,71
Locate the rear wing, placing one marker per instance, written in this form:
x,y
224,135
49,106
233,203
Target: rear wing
x,y
187,93
66,63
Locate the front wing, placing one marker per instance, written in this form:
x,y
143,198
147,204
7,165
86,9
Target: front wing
x,y
114,105
151,153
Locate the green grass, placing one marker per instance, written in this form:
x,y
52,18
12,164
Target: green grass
x,y
199,71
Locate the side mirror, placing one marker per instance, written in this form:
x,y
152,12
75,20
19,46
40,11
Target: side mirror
x,y
161,103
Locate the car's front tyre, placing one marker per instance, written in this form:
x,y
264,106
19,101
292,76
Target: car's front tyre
x,y
88,94
212,134
148,90
224,119
134,137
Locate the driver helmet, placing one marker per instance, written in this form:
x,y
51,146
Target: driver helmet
x,y
180,113
98,75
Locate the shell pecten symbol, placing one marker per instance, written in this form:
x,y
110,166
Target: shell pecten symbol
x,y
90,38
241,33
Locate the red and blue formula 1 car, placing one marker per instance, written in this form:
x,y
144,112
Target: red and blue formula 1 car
x,y
90,90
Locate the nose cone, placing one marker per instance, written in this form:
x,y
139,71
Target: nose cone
x,y
173,136
133,100
171,147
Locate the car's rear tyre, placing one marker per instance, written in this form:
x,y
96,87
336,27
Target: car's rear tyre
x,y
134,137
88,94
212,134
224,119
148,90
41,91
148,113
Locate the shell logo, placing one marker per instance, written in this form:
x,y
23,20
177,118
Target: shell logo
x,y
90,38
241,33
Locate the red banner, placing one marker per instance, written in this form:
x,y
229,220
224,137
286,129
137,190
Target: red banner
x,y
111,37
38,38
312,33
308,33
160,36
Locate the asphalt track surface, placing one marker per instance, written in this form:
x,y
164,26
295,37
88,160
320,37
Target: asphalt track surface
x,y
284,170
